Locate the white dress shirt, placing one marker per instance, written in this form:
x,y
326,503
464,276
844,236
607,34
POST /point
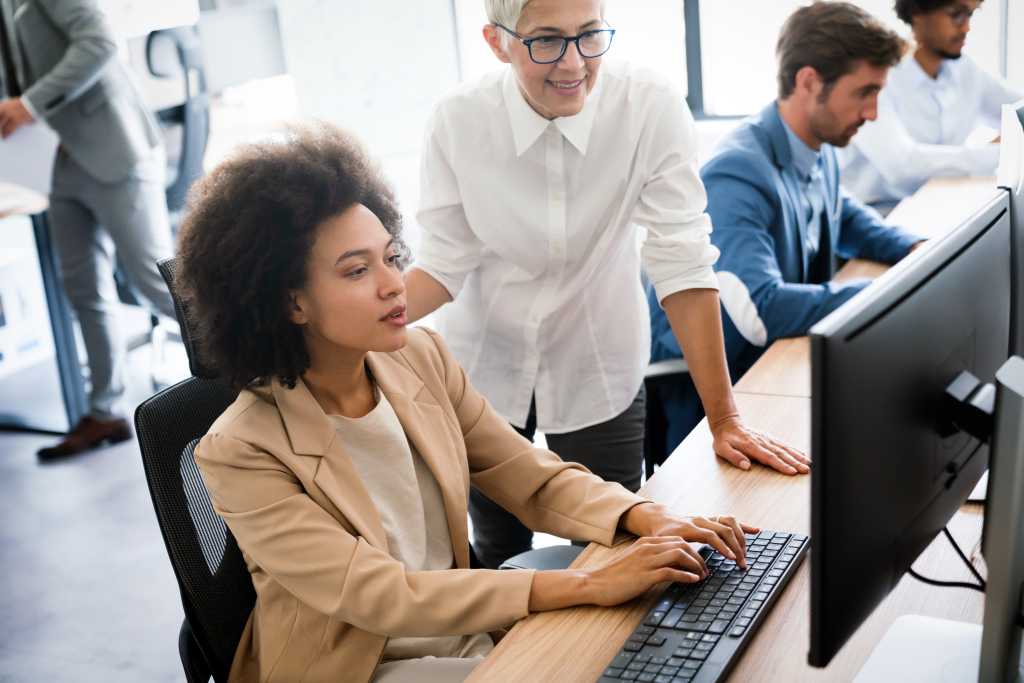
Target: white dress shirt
x,y
532,227
922,125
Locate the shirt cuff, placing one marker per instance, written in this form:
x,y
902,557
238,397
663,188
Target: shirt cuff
x,y
452,283
27,103
697,278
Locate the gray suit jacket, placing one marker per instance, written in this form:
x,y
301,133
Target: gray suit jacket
x,y
65,61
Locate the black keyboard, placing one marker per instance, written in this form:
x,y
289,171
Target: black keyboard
x,y
696,631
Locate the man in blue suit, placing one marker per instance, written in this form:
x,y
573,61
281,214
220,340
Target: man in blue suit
x,y
781,220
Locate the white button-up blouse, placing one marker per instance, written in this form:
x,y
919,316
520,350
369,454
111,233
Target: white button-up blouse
x,y
532,227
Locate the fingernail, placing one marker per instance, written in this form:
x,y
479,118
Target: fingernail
x,y
745,465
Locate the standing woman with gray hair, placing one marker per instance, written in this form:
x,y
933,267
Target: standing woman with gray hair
x,y
533,180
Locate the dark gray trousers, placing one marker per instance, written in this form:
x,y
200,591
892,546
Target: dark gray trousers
x,y
612,450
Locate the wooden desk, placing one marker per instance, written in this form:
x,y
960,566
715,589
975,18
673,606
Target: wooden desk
x,y
577,644
15,201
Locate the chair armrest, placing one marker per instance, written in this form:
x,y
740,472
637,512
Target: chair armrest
x,y
670,366
553,557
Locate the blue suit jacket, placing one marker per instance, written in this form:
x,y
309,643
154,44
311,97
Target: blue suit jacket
x,y
754,200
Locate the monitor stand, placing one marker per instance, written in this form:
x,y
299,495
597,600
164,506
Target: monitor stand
x,y
917,648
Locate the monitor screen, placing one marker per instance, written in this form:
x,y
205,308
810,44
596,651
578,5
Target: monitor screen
x,y
889,470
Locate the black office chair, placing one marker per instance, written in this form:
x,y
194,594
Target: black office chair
x,y
656,421
216,590
177,53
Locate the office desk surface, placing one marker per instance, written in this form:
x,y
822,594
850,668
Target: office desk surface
x,y
15,199
933,211
576,644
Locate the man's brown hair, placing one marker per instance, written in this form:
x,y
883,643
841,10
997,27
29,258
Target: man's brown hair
x,y
831,37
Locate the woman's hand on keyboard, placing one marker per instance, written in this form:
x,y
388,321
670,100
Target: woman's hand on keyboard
x,y
647,562
723,533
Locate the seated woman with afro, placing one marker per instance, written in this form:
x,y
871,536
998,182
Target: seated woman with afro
x,y
344,466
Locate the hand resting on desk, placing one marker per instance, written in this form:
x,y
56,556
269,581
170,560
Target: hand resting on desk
x,y
738,444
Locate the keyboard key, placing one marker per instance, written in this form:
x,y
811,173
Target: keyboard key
x,y
718,626
629,675
656,641
737,631
675,661
646,630
659,661
645,678
699,655
709,638
654,618
621,660
672,618
662,678
632,647
691,665
636,666
612,672
642,658
744,621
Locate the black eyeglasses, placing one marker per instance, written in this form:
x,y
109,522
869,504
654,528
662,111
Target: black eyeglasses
x,y
959,14
549,49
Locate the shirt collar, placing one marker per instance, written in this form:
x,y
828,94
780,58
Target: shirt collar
x,y
804,158
921,77
527,125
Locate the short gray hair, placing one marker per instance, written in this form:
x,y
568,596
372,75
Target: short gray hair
x,y
508,12
505,12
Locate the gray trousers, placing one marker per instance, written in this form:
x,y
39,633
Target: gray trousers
x,y
96,225
613,450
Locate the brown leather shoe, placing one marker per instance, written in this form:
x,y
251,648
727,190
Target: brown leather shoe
x,y
87,434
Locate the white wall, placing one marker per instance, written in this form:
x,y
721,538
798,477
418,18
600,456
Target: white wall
x,y
739,39
1015,54
374,67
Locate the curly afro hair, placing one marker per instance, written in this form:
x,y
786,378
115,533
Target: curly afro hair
x,y
246,238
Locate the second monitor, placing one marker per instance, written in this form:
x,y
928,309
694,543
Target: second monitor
x,y
891,467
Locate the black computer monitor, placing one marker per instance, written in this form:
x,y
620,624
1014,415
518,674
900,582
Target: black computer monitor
x,y
1011,178
889,468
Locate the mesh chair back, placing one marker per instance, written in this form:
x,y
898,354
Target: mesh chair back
x,y
169,268
216,590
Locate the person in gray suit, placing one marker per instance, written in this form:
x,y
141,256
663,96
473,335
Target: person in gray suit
x,y
60,67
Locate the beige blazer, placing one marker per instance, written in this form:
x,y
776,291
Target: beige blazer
x,y
328,593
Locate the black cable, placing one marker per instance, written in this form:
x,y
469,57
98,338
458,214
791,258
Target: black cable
x,y
945,584
980,586
970,566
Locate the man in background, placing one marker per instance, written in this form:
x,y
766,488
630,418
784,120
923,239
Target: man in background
x,y
936,97
780,218
59,68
